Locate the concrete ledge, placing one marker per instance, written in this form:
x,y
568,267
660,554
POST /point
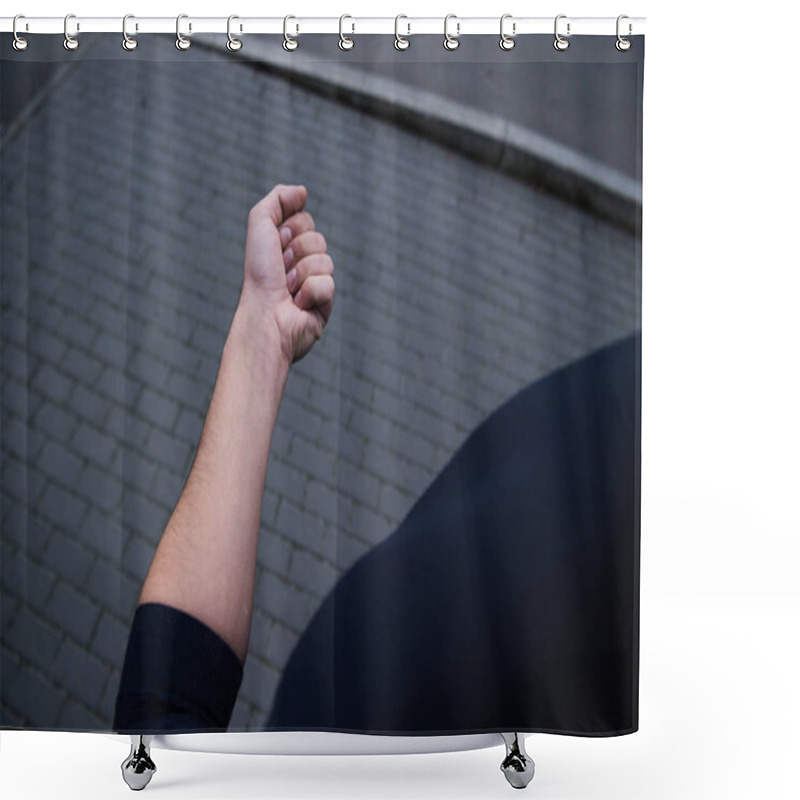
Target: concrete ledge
x,y
485,137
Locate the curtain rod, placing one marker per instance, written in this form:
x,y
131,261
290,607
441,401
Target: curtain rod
x,y
403,25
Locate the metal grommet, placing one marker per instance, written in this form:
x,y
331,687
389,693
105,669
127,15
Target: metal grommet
x,y
70,42
181,42
128,42
345,42
288,42
233,44
400,42
623,44
560,43
451,42
19,42
506,42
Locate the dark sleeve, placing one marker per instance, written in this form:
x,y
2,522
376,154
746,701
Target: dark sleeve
x,y
178,675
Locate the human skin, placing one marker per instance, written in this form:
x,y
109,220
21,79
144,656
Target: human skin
x,y
205,562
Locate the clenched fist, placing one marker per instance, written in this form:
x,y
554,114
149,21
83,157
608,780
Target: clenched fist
x,y
287,270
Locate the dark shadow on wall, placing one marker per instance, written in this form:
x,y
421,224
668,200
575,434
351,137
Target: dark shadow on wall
x,y
508,597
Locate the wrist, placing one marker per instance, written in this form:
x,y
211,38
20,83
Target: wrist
x,y
259,331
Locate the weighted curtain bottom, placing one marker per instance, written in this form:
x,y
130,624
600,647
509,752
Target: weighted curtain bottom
x,y
505,601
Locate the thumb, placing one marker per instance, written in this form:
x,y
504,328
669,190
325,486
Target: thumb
x,y
280,204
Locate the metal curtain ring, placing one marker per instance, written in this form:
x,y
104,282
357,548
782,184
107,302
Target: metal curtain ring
x,y
345,43
181,42
233,44
400,42
560,43
19,42
623,44
451,42
70,42
128,43
288,42
506,42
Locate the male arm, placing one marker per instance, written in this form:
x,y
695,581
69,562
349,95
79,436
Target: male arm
x,y
205,562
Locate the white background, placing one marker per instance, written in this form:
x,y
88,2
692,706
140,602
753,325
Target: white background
x,y
720,440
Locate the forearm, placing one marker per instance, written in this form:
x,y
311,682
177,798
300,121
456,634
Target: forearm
x,y
205,562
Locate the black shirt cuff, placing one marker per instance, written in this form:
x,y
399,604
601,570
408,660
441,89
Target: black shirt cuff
x,y
178,675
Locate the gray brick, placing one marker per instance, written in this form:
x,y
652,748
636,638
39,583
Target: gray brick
x,y
138,472
14,521
110,349
307,530
59,462
281,643
321,500
144,517
240,717
369,424
97,446
13,569
382,462
65,509
52,384
311,573
65,557
282,601
108,701
75,717
114,385
349,550
15,362
100,534
69,610
14,399
309,458
80,674
76,331
274,552
368,526
358,484
8,609
100,488
189,426
393,504
33,638
169,451
167,488
208,340
102,585
14,480
110,640
157,408
38,701
89,405
137,558
351,446
129,594
412,446
259,682
83,368
286,481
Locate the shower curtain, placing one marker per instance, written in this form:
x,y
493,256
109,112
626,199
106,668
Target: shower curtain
x,y
405,283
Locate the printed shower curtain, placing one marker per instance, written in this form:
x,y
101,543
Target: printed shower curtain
x,y
320,386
